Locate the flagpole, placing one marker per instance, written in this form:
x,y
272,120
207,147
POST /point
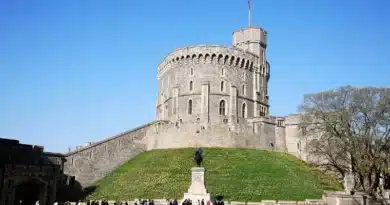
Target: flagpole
x,y
249,12
249,17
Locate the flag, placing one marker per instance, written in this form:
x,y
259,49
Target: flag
x,y
249,4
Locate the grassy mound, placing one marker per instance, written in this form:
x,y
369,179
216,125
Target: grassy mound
x,y
237,174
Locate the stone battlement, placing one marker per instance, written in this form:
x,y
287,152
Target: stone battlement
x,y
92,145
92,163
199,51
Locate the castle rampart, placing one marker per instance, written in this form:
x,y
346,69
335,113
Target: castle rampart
x,y
92,163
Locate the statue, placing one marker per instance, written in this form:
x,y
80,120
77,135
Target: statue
x,y
198,156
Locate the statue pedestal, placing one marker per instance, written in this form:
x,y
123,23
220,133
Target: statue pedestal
x,y
197,190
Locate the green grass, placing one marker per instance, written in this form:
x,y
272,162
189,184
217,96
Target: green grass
x,y
237,174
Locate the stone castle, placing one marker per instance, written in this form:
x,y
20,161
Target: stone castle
x,y
209,96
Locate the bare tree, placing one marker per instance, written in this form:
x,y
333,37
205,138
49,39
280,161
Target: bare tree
x,y
351,129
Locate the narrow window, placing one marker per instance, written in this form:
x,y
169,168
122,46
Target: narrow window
x,y
174,106
243,76
191,85
304,130
222,86
190,107
298,146
222,107
192,71
243,110
243,90
280,123
222,71
263,55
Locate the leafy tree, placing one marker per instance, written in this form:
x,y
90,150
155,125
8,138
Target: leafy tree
x,y
350,129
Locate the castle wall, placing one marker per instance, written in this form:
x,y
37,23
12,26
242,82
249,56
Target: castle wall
x,y
92,163
256,133
194,134
293,135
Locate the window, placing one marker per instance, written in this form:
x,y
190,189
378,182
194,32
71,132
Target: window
x,y
243,111
262,113
298,146
304,131
192,71
280,123
243,76
222,71
174,106
263,56
191,85
222,86
222,107
190,107
243,90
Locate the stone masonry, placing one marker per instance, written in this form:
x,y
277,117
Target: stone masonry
x,y
209,96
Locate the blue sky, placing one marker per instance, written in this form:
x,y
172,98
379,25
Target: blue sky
x,y
77,71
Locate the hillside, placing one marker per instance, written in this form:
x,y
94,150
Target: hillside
x,y
237,174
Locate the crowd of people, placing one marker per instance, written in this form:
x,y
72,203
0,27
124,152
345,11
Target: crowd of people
x,y
217,201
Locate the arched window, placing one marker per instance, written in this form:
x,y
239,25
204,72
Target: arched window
x,y
191,85
222,107
222,86
243,110
190,107
243,90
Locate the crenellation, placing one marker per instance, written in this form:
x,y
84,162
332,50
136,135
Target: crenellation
x,y
199,54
